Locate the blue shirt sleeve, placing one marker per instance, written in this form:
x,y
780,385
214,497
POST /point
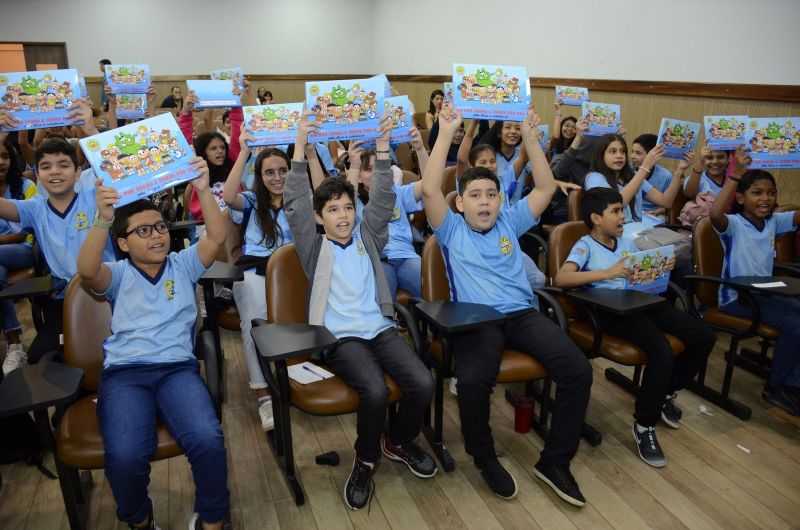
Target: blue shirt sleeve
x,y
580,254
445,232
117,269
188,262
595,180
784,222
28,211
646,187
405,194
520,217
733,224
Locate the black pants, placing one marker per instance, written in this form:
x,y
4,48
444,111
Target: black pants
x,y
48,338
664,373
477,357
361,364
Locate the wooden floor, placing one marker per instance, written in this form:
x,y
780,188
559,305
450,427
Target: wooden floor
x,y
721,473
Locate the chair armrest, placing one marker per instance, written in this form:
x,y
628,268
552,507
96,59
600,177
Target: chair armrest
x,y
413,328
555,311
285,341
221,272
671,226
788,266
39,286
38,386
681,294
451,317
206,351
743,292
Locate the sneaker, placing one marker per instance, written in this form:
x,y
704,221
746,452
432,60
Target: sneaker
x,y
497,478
195,523
152,523
453,388
418,461
647,443
265,413
560,479
670,413
360,486
777,396
15,357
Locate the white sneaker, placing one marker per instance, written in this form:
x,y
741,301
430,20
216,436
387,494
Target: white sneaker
x,y
453,389
194,522
15,357
265,413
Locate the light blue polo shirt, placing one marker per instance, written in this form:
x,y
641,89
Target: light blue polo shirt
x,y
706,184
486,267
597,180
353,309
660,179
153,319
60,236
591,255
254,242
748,250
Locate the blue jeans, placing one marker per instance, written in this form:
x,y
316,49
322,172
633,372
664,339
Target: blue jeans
x,y
405,273
129,400
13,256
782,313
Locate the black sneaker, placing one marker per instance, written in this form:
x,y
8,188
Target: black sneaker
x,y
497,478
152,520
418,461
560,479
649,450
359,487
781,398
670,413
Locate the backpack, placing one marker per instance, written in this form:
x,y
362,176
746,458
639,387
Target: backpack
x,y
20,442
696,209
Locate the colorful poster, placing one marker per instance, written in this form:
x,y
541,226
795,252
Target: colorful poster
x,y
82,87
448,91
131,106
774,142
214,94
128,78
387,87
347,109
272,124
572,95
141,158
678,137
648,272
234,74
544,137
39,99
399,108
491,92
603,118
725,133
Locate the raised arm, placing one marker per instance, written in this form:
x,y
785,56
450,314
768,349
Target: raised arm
x,y
436,207
544,183
296,198
741,160
151,101
354,152
555,132
93,273
666,198
186,117
111,113
380,208
233,184
462,158
693,182
314,166
419,149
236,115
208,247
630,189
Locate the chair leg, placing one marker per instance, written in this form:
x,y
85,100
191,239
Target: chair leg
x,y
756,362
722,398
435,435
631,384
71,490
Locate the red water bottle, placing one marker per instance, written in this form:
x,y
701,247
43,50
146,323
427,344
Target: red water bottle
x,y
523,413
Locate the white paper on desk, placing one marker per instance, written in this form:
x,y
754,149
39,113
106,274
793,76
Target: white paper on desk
x,y
769,285
306,372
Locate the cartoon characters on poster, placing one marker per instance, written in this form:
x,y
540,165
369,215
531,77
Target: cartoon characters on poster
x,y
44,94
138,154
677,136
273,119
648,269
491,88
773,138
344,105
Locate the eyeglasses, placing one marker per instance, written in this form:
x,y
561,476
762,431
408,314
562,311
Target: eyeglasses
x,y
272,174
145,231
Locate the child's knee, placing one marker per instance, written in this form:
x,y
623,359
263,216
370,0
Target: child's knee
x,y
374,395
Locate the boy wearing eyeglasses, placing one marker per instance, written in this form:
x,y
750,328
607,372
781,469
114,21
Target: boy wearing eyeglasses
x,y
150,370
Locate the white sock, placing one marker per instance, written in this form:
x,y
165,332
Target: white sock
x,y
264,399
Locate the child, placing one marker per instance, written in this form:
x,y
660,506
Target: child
x,y
265,229
708,173
610,169
748,236
15,246
402,265
150,370
599,260
349,295
60,222
660,178
484,266
563,131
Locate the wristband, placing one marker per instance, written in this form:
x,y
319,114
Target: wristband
x,y
645,169
383,151
100,223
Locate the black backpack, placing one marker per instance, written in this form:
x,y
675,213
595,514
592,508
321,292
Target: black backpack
x,y
20,442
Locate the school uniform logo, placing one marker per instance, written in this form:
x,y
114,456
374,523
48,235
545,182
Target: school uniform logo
x,y
360,247
506,246
169,287
396,214
81,221
502,197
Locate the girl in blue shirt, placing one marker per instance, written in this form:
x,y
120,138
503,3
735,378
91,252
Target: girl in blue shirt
x,y
748,238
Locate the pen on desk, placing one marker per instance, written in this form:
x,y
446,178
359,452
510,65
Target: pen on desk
x,y
306,368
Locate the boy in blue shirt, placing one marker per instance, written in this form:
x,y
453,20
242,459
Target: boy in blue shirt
x,y
350,296
708,173
150,370
60,222
600,260
484,265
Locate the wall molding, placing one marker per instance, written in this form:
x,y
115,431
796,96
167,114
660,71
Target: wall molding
x,y
787,93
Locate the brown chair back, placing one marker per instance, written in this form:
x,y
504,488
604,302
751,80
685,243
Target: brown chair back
x,y
405,159
707,258
560,244
425,133
574,205
785,243
419,119
286,287
435,285
677,205
451,201
409,177
449,180
87,323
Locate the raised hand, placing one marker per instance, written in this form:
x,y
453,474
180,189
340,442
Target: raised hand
x,y
449,119
741,161
354,152
652,158
107,197
385,131
685,162
201,166
189,102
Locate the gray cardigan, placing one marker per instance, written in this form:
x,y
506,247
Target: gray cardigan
x,y
317,258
